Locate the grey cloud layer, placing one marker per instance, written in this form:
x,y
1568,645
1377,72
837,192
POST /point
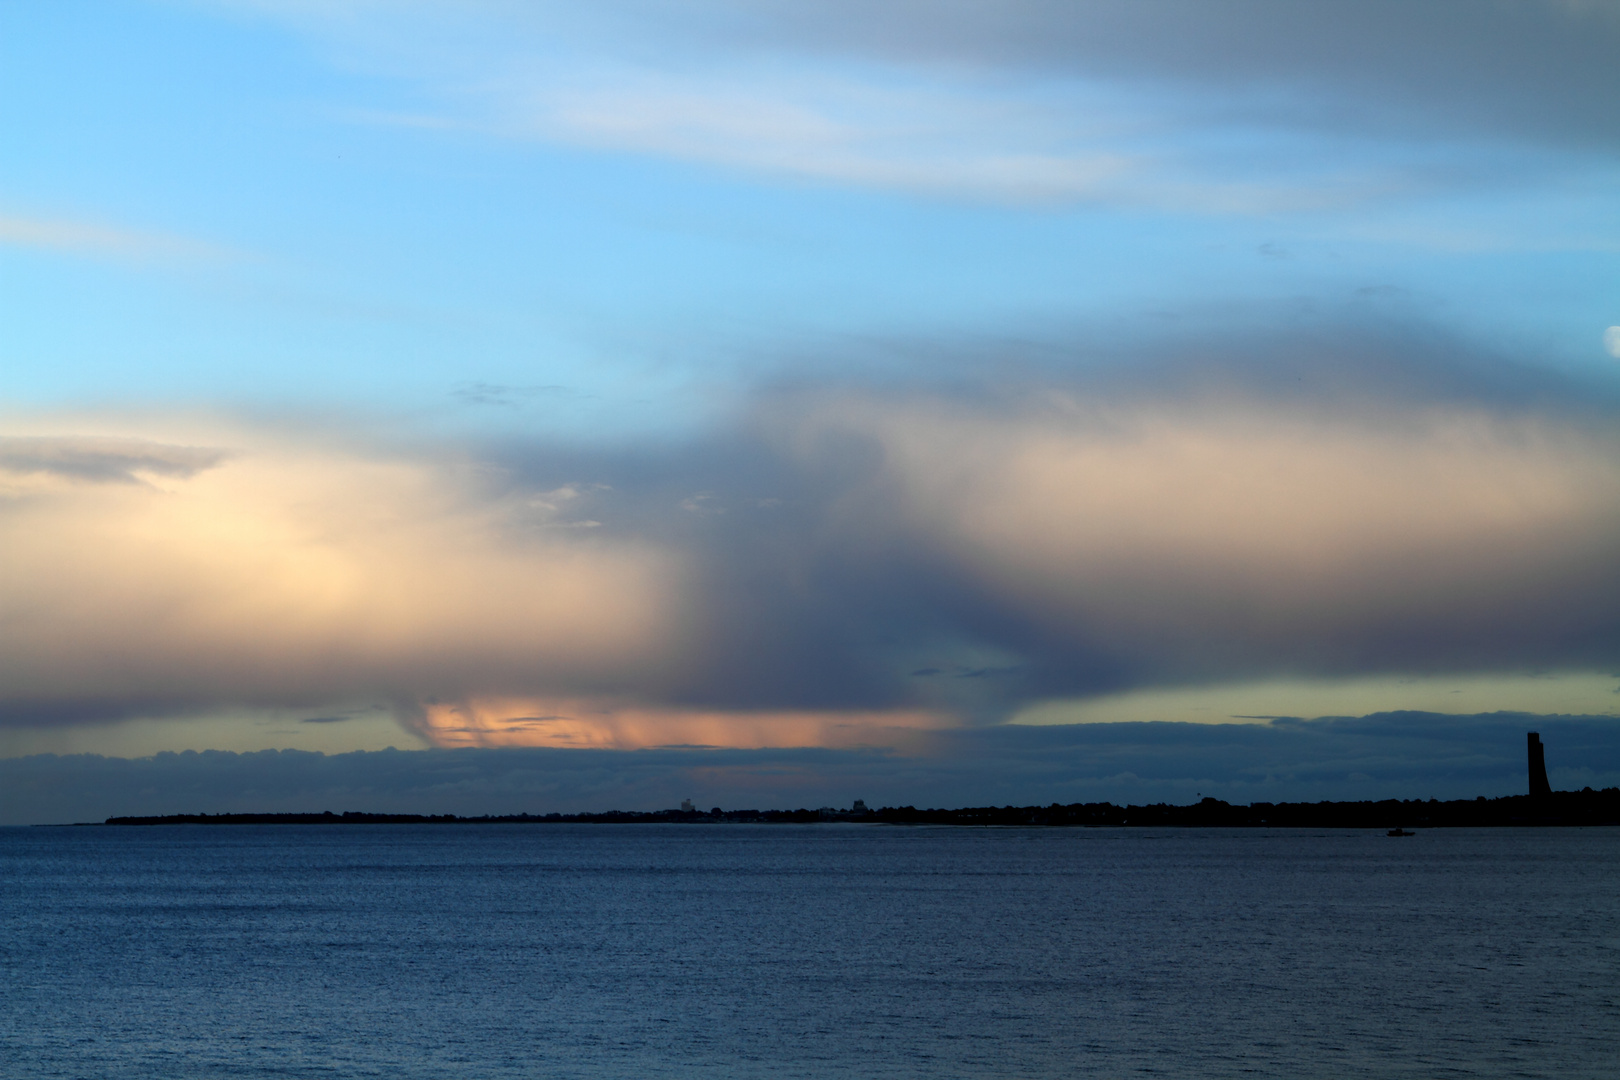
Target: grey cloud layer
x,y
1393,755
104,460
1536,69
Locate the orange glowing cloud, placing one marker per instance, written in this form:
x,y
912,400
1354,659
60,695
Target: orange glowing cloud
x,y
497,721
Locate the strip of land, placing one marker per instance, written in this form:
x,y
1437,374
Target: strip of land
x,y
1587,807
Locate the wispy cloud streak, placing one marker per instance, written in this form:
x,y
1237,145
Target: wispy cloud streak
x,y
103,241
1250,108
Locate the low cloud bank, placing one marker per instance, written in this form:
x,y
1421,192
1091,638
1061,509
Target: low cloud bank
x,y
831,561
1385,755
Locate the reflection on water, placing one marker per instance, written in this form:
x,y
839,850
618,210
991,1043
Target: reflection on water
x,y
633,951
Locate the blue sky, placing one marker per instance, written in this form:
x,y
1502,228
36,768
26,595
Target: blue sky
x,y
353,209
775,353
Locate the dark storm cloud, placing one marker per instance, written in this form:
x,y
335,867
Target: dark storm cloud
x,y
23,712
1388,755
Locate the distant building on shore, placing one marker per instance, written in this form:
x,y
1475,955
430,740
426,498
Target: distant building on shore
x,y
1538,766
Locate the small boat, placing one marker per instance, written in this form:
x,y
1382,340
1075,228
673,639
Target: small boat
x,y
1399,832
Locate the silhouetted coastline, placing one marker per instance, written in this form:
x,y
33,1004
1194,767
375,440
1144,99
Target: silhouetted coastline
x,y
1586,807
1543,806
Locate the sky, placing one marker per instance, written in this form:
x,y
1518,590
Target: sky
x,y
836,393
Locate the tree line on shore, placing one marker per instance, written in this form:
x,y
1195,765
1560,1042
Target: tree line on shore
x,y
1585,807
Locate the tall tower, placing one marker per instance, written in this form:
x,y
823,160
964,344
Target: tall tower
x,y
1538,766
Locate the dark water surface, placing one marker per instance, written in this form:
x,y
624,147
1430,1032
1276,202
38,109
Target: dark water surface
x,y
835,950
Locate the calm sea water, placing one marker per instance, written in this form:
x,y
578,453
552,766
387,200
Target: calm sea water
x,y
835,950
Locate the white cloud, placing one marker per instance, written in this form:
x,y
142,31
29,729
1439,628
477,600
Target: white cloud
x,y
930,140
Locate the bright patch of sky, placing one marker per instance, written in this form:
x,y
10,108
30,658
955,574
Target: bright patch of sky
x,y
1257,702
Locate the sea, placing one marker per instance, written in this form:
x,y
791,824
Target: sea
x,y
831,950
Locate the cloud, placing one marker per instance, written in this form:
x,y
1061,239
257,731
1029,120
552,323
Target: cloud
x,y
1259,106
1611,341
854,559
299,575
835,561
99,460
482,393
1391,755
1538,70
86,238
609,725
923,142
1201,539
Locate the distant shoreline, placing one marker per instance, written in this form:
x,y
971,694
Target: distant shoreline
x,y
1586,807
